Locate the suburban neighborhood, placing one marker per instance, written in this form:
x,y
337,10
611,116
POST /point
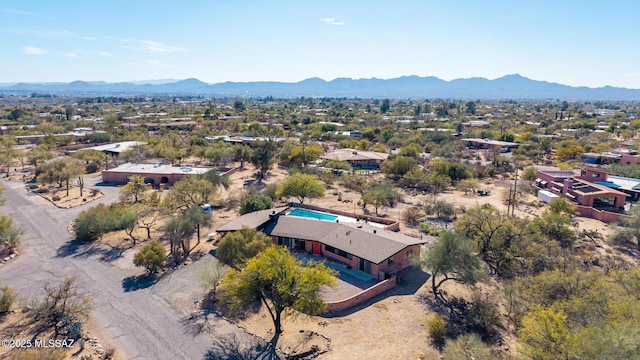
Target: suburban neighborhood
x,y
328,180
182,214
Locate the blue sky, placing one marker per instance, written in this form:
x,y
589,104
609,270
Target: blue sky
x,y
580,43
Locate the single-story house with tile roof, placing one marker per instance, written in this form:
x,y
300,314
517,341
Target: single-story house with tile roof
x,y
356,158
373,250
255,220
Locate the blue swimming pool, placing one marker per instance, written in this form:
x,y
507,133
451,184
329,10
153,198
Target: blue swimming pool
x,y
312,214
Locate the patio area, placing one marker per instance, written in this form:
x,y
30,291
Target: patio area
x,y
350,281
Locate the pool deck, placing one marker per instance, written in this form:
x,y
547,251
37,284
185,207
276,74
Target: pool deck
x,y
340,218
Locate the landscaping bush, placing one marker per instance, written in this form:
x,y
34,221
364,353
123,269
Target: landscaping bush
x,y
92,223
437,328
467,347
7,298
55,198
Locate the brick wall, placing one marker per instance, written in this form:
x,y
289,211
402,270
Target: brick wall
x,y
362,296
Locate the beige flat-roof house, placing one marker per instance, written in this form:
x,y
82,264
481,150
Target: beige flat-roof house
x,y
154,174
357,158
116,149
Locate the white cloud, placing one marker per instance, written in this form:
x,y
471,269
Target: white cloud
x,y
19,12
70,54
105,53
152,46
32,50
332,21
153,62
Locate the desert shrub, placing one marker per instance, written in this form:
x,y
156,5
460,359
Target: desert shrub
x,y
482,316
7,298
56,198
92,223
468,346
271,191
411,215
151,256
427,228
437,328
440,208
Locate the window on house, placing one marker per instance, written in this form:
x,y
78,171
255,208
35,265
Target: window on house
x,y
595,175
338,252
390,261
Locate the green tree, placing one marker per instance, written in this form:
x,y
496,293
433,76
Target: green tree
x,y
10,234
470,108
304,154
386,104
263,157
135,188
545,334
60,171
380,195
151,256
237,247
217,179
280,282
69,111
128,221
452,257
238,105
7,154
255,203
187,193
529,173
197,218
441,208
398,166
242,154
301,186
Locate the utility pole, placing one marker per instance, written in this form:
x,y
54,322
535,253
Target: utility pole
x,y
515,188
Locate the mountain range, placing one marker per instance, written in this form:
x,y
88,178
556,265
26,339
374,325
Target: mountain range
x,y
506,87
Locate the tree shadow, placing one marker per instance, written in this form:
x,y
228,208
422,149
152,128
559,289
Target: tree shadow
x,y
247,347
84,249
135,283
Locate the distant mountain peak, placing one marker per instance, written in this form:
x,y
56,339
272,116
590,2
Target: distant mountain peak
x,y
512,86
190,82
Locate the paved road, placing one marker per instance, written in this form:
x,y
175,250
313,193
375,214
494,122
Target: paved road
x,y
141,322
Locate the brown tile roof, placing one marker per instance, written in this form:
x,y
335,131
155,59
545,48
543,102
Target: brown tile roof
x,y
357,239
253,220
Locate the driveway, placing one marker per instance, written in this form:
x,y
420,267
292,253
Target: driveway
x,y
141,323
